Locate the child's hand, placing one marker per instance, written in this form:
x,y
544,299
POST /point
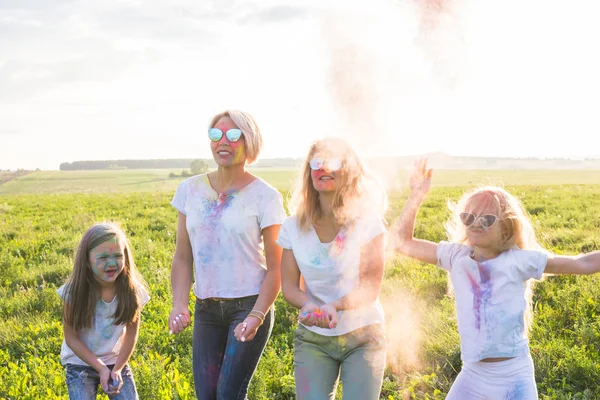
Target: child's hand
x,y
246,330
179,320
309,315
330,319
115,382
420,178
105,374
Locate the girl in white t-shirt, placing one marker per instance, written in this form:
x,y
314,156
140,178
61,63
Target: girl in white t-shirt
x,y
332,267
492,261
228,222
103,299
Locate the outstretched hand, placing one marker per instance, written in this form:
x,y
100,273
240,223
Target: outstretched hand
x,y
420,178
323,317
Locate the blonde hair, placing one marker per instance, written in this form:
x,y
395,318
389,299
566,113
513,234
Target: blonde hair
x,y
358,190
83,291
249,128
517,230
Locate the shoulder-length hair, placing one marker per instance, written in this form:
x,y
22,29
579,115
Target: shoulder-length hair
x,y
249,128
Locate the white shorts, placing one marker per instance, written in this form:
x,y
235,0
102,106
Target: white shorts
x,y
512,379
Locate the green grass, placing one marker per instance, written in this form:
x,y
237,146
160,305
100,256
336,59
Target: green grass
x,y
39,234
154,180
118,181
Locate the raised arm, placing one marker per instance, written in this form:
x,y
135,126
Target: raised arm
x,y
406,243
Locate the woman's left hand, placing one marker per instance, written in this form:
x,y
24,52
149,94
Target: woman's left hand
x,y
331,319
246,330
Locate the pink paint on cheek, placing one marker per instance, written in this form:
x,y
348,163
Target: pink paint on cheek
x,y
323,185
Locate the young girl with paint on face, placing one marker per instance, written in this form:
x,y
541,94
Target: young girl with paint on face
x,y
102,300
492,260
332,268
226,219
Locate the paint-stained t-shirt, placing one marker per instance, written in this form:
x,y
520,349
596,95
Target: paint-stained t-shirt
x,y
331,270
103,338
225,231
490,299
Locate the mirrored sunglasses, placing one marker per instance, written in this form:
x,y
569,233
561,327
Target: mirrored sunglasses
x,y
331,164
233,134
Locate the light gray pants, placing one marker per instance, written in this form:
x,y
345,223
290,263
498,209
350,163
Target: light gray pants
x,y
358,356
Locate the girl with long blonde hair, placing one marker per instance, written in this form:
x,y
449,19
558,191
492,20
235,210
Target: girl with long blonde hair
x,y
492,258
332,268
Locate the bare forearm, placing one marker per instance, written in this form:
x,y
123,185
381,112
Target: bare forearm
x,y
590,262
294,295
181,282
127,348
268,292
406,221
84,353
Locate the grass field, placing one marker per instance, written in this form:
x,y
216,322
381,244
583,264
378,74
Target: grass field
x,y
41,222
155,180
117,181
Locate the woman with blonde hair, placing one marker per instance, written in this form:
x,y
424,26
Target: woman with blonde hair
x,y
226,219
493,258
332,268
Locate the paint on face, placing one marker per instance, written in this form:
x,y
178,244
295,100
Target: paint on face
x,y
482,292
228,153
107,260
323,180
239,151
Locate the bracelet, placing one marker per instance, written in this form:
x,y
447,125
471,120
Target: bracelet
x,y
257,316
258,311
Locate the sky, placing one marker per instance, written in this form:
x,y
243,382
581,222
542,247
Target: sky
x,y
83,80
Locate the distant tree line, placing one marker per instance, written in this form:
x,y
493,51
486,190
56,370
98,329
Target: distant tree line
x,y
130,164
169,164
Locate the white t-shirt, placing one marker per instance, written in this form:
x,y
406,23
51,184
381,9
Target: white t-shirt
x,y
103,338
331,270
225,233
490,299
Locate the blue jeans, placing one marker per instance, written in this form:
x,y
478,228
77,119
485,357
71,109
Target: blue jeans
x,y
83,382
223,366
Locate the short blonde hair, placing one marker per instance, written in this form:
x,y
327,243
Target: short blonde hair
x,y
252,136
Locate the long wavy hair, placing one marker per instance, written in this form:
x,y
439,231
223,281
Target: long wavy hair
x,y
83,291
517,230
358,191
